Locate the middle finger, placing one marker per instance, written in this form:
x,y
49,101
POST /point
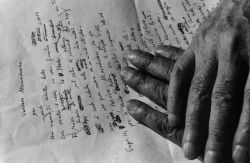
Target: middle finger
x,y
224,115
159,67
146,85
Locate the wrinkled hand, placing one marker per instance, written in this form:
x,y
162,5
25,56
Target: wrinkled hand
x,y
220,86
151,79
213,74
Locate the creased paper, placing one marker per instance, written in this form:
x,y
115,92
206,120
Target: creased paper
x,y
61,97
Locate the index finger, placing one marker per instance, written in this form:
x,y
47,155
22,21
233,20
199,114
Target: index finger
x,y
158,67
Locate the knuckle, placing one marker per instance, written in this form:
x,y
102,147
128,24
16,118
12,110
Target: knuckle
x,y
167,67
222,99
160,121
147,61
161,92
190,124
142,83
198,92
150,116
215,135
180,65
177,70
162,125
220,94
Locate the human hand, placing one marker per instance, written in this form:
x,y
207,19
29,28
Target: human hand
x,y
151,80
219,59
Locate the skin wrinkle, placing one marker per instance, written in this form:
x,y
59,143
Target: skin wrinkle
x,y
222,103
156,66
217,34
221,137
199,95
165,70
240,42
176,51
163,127
172,133
221,41
162,94
182,65
148,61
224,97
176,134
155,89
210,21
142,82
242,137
200,89
155,120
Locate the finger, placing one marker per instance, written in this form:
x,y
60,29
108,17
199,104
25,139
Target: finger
x,y
241,147
224,112
168,51
158,67
154,120
146,85
178,87
198,108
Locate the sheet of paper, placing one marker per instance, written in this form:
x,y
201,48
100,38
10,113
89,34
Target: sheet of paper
x,y
61,97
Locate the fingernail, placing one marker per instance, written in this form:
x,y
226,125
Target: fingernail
x,y
173,120
138,58
190,151
132,56
240,154
212,157
159,49
131,108
126,73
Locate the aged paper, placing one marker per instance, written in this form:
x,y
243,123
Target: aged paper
x,y
61,97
